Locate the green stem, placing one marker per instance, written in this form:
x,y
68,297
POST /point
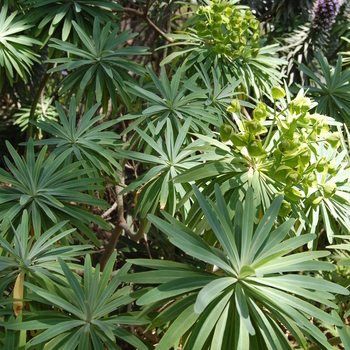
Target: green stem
x,y
267,140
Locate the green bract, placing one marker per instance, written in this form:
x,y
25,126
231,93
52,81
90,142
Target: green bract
x,y
277,92
225,38
293,158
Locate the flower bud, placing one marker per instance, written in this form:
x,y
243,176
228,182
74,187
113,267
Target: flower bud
x,y
243,26
255,148
228,11
226,131
217,34
293,194
235,38
249,14
329,189
284,209
254,24
201,26
259,114
217,19
255,37
240,140
292,178
331,168
311,180
284,145
254,128
282,172
322,165
315,199
334,140
234,106
305,157
277,92
220,49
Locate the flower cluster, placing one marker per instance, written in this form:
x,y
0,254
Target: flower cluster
x,y
324,13
233,31
289,157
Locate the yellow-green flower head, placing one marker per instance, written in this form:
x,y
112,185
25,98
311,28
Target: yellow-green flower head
x,y
234,106
284,209
334,140
329,189
226,132
277,92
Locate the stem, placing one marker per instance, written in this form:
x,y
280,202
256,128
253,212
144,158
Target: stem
x,y
38,94
148,4
110,246
267,140
144,16
34,104
121,223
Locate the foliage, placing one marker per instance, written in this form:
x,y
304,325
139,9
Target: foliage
x,y
287,162
99,64
16,53
200,129
46,189
227,36
170,160
82,325
43,110
85,141
177,102
245,299
332,88
55,18
31,258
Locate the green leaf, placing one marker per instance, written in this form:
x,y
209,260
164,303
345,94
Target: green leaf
x,y
242,308
186,319
211,291
173,288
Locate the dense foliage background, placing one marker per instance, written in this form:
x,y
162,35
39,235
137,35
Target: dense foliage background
x,y
174,174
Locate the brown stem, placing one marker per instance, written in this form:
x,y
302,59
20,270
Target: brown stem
x,y
148,4
110,246
121,223
144,16
131,234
